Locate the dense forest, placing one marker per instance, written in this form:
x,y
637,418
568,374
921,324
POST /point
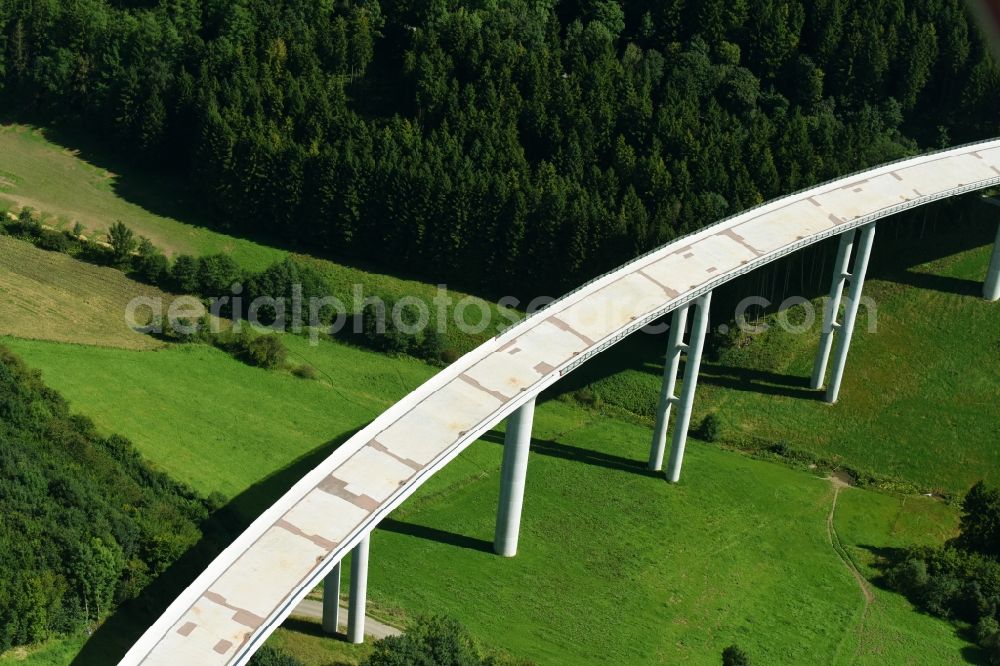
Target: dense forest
x,y
496,143
86,524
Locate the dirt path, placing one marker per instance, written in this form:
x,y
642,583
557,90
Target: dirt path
x,y
831,533
839,483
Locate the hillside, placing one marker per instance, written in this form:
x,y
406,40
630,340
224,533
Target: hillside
x,y
67,188
387,147
50,296
506,147
86,523
739,552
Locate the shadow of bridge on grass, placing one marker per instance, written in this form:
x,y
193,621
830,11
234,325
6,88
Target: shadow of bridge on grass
x,y
576,454
436,535
122,629
757,381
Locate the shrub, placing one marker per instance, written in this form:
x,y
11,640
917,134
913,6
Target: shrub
x,y
431,640
183,329
267,351
269,656
305,372
216,274
948,582
980,526
780,449
710,429
54,241
734,656
986,628
586,396
991,645
28,223
909,578
151,268
77,230
432,347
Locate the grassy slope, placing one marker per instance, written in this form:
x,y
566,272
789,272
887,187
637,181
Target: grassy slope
x,y
37,173
738,552
65,188
256,422
51,296
919,395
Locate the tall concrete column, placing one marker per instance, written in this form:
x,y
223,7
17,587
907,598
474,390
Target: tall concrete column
x,y
686,401
359,592
517,442
851,311
675,346
991,288
331,601
832,311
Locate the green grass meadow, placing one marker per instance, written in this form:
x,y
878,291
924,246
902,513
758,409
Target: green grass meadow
x,y
216,423
615,565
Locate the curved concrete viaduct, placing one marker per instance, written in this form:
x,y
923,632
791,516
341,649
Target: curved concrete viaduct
x,y
231,608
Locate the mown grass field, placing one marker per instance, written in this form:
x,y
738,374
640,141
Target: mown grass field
x,y
51,296
616,566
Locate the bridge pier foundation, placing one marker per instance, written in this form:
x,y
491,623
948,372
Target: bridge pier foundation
x,y
686,401
359,592
331,601
675,347
846,329
513,471
991,288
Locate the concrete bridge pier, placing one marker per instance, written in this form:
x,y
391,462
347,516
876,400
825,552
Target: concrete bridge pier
x,y
991,288
359,592
846,329
513,471
675,347
686,401
832,311
331,601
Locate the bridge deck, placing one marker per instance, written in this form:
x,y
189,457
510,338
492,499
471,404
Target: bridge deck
x,y
225,615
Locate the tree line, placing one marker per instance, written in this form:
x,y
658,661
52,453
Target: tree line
x,y
518,146
87,524
213,277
